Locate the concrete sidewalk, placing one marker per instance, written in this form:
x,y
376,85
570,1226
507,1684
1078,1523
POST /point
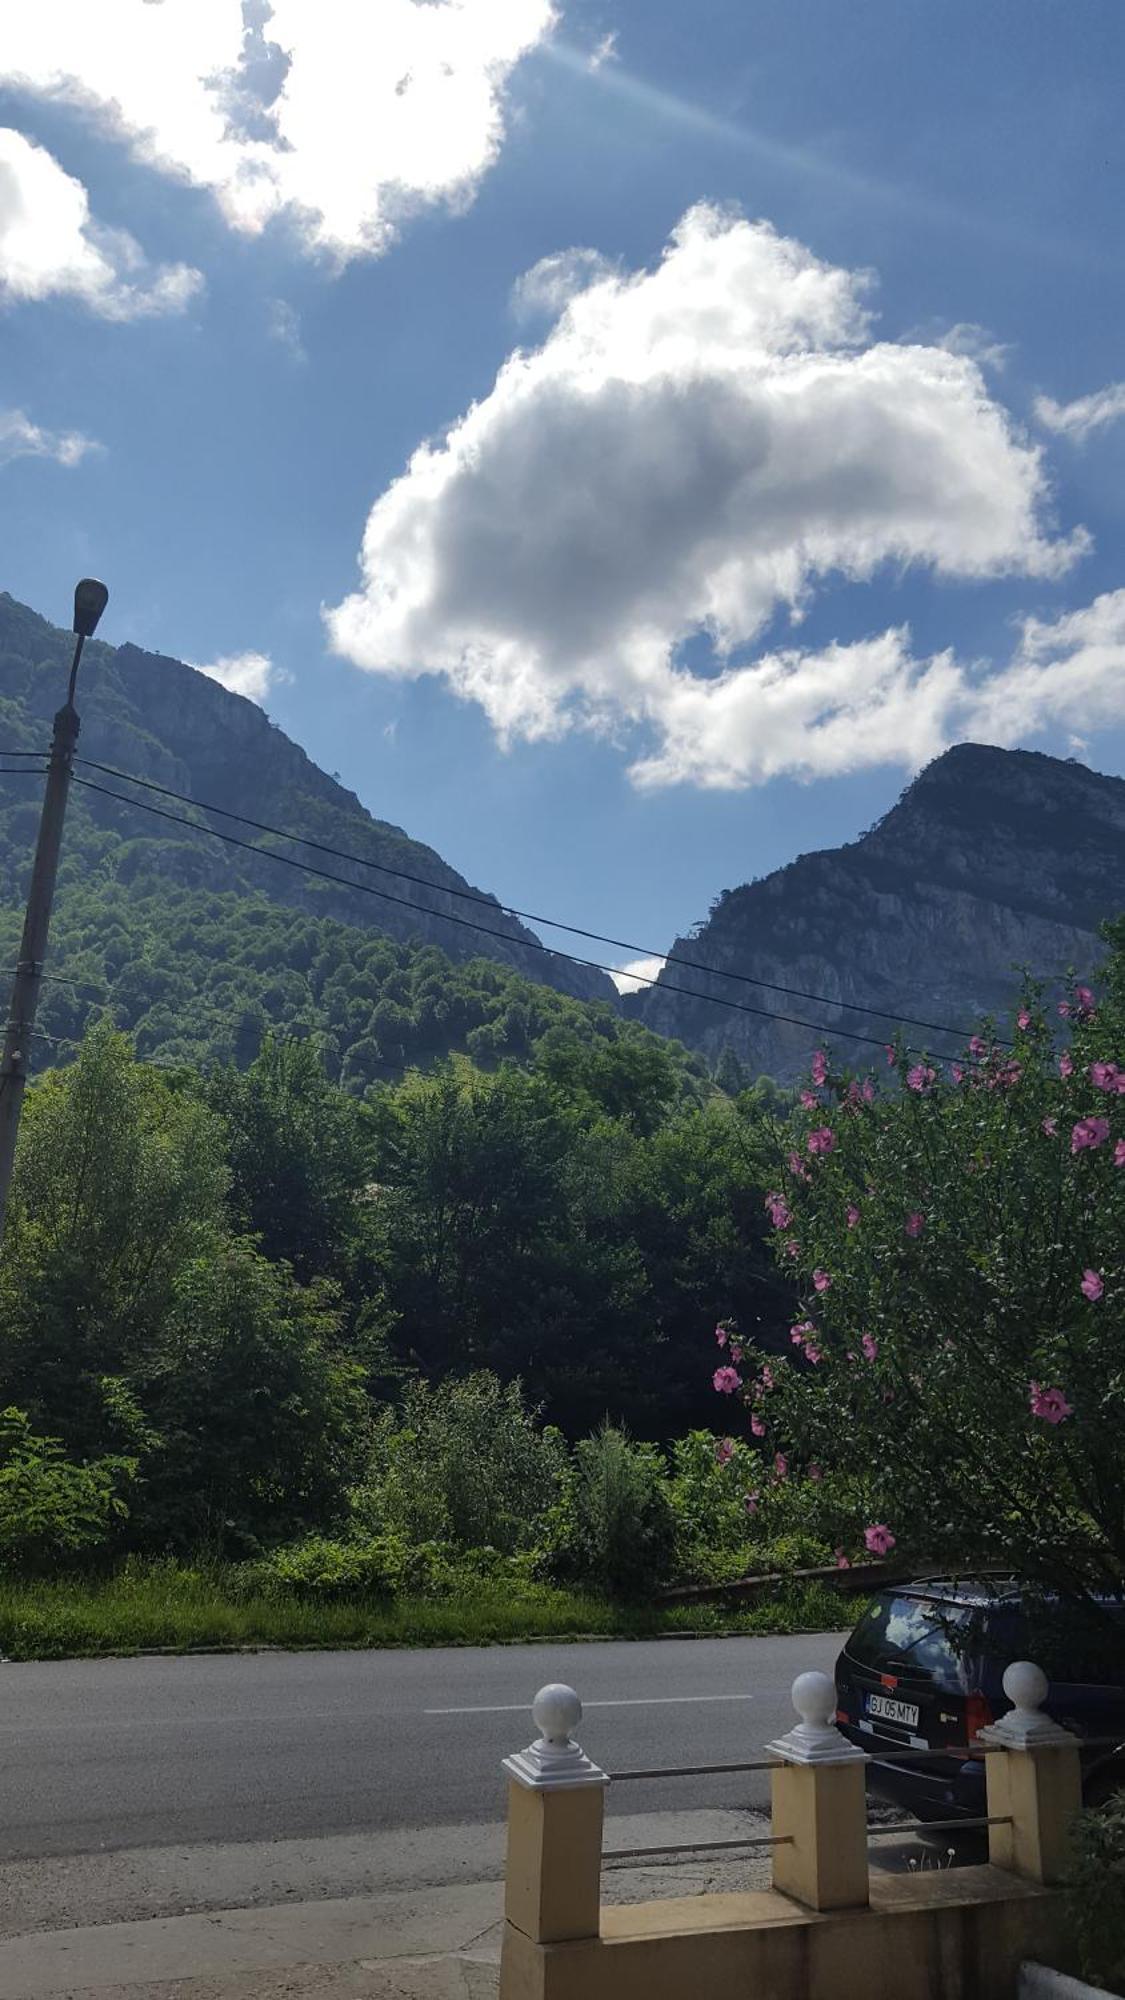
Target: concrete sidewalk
x,y
438,1940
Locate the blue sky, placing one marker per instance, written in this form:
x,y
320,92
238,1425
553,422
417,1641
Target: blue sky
x,y
634,631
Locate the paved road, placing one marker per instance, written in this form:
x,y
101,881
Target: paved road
x,y
104,1755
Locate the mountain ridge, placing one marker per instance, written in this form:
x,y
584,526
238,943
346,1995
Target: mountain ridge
x,y
990,859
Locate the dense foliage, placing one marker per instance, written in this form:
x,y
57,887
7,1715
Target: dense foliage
x,y
956,1379
242,1309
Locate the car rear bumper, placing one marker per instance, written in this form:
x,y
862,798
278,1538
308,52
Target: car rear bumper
x,y
944,1789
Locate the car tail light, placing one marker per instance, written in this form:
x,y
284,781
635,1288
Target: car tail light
x,y
978,1715
842,1715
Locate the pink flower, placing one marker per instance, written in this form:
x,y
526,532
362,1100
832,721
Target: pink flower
x,y
1050,1126
851,1215
841,1559
977,1047
921,1078
735,1351
1066,1065
757,1426
797,1167
800,1333
765,1379
815,1472
870,1346
726,1380
1064,1010
823,1140
1092,1132
724,1451
1084,1000
957,1073
781,1465
821,1281
809,1100
1093,1285
1008,1074
1023,1018
813,1354
1104,1075
878,1538
890,1054
779,1211
1050,1404
867,1091
1119,1153
750,1502
818,1068
915,1224
721,1335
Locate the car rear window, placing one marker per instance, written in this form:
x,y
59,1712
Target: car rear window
x,y
930,1635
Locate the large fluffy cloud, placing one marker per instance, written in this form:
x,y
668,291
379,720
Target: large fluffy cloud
x,y
691,449
49,244
343,115
20,438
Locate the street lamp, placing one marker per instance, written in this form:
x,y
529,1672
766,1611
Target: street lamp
x,y
90,600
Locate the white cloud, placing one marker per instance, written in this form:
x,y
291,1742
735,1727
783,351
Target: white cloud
x,y
20,438
250,674
49,244
691,450
635,973
555,280
603,52
1087,414
342,115
284,326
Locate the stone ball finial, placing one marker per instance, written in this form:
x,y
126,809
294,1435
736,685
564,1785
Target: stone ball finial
x,y
557,1712
1025,1685
814,1698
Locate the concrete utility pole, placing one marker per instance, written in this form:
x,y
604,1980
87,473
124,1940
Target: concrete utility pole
x,y
90,600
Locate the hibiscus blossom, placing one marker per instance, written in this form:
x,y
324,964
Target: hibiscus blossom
x,y
915,1224
757,1426
726,1380
921,1078
1050,1126
1119,1153
1104,1076
1089,1132
1066,1065
1050,1404
821,1281
1023,1019
1093,1285
818,1068
724,1451
822,1140
870,1346
879,1538
851,1215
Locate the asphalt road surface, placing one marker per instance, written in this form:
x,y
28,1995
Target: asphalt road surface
x,y
102,1755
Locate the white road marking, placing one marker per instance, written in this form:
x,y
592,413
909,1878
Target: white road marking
x,y
636,1701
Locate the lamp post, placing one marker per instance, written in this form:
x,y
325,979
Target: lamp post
x,y
90,600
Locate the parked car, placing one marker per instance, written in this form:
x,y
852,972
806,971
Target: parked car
x,y
923,1671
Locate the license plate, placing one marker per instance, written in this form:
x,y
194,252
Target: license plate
x,y
889,1710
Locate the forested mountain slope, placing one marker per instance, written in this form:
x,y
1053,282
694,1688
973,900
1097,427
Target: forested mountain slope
x,y
198,946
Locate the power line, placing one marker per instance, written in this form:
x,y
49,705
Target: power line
x,y
466,923
530,916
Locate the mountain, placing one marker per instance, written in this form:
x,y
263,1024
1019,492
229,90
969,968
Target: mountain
x,y
992,860
198,946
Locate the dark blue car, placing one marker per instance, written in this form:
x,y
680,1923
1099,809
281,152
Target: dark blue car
x,y
923,1669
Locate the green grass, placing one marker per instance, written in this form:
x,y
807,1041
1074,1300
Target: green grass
x,y
161,1606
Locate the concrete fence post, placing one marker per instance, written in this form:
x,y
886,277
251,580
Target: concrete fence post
x,y
555,1805
1034,1781
819,1805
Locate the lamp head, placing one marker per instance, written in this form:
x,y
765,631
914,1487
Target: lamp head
x,y
90,600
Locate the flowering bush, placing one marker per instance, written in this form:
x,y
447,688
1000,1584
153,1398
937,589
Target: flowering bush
x,y
958,1234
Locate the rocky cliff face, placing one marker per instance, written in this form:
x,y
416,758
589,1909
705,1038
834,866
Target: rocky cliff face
x,y
992,860
162,720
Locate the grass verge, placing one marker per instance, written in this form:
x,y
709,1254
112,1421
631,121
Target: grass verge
x,y
161,1606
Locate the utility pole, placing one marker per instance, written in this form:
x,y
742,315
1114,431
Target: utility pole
x,y
90,600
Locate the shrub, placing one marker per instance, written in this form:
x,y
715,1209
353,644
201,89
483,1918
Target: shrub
x,y
49,1506
465,1463
616,1527
369,1565
1095,1893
